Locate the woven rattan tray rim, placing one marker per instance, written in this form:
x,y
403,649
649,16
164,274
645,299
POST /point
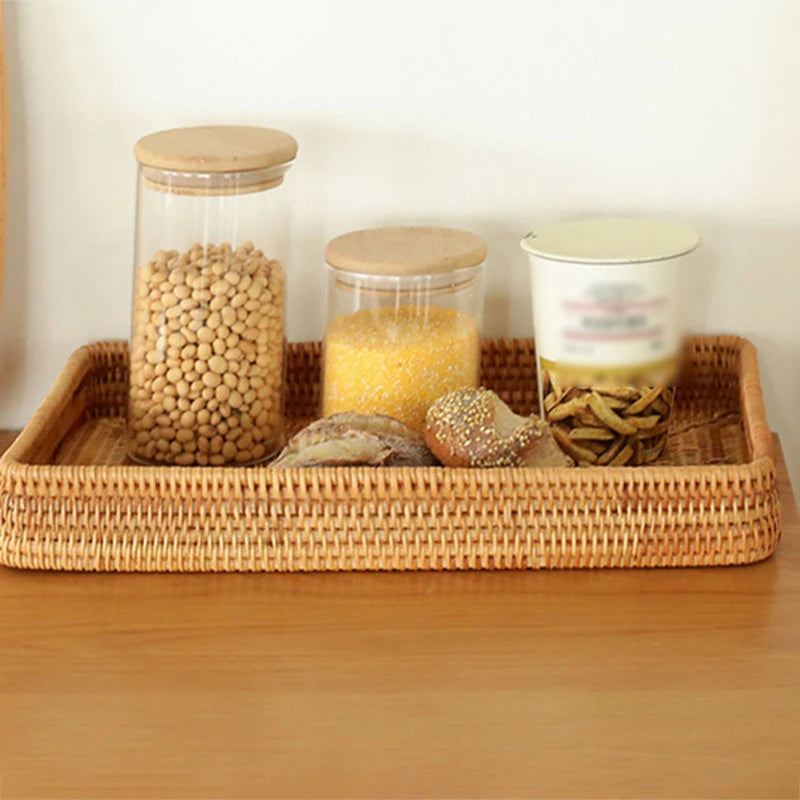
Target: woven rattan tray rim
x,y
15,464
728,512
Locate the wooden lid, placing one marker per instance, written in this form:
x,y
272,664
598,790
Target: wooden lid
x,y
215,148
405,251
611,240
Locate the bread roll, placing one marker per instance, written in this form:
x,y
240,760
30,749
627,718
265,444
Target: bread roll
x,y
351,439
475,428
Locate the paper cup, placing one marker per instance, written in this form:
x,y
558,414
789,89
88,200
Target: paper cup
x,y
608,324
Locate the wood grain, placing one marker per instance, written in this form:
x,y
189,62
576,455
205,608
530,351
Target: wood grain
x,y
405,251
678,683
215,148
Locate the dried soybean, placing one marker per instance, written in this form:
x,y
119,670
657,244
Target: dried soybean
x,y
207,356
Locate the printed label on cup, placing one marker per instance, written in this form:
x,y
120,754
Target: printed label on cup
x,y
608,324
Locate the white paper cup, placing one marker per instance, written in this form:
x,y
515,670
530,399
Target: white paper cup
x,y
607,314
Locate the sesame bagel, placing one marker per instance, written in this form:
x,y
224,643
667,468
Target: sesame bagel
x,y
475,428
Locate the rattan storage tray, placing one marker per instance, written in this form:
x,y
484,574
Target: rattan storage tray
x,y
70,501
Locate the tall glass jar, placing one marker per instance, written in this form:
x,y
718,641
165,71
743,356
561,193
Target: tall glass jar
x,y
207,357
403,321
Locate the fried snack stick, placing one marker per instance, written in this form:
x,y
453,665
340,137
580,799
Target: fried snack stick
x,y
608,427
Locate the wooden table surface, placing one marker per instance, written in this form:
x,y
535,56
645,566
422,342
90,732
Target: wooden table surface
x,y
673,683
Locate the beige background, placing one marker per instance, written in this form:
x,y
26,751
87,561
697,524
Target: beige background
x,y
497,118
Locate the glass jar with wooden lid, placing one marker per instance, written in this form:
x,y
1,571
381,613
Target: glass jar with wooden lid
x,y
207,356
403,319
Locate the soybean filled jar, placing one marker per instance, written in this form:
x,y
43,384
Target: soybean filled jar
x,y
207,356
403,320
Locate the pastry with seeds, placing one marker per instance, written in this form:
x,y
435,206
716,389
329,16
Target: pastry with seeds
x,y
475,428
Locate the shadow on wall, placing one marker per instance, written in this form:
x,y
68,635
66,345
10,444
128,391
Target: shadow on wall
x,y
738,281
349,178
368,177
760,257
14,316
370,174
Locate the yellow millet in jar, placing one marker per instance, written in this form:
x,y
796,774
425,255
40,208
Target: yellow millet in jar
x,y
398,360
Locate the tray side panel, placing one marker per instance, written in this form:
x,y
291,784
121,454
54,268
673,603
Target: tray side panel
x,y
354,519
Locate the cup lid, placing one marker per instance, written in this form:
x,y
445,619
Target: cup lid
x,y
216,148
405,251
611,240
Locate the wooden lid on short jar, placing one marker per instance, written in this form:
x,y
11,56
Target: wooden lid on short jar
x,y
257,154
405,251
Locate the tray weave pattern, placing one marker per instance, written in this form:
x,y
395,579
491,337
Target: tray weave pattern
x,y
71,501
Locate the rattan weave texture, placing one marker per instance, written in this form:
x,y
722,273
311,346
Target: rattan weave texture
x,y
70,501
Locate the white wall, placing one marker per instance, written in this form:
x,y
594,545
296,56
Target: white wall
x,y
493,116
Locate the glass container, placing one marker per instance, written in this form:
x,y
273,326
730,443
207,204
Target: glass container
x,y
207,355
403,320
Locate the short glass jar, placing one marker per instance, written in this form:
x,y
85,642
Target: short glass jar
x,y
403,320
207,356
608,324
